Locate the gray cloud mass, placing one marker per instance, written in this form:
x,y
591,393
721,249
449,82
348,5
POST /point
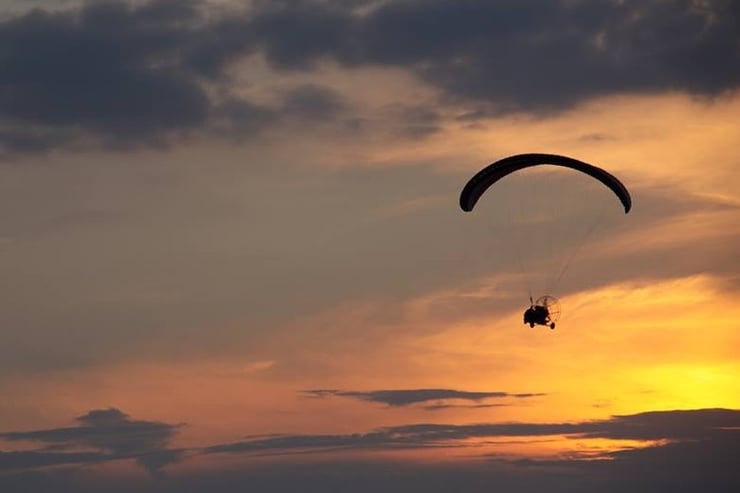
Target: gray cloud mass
x,y
122,74
699,455
108,432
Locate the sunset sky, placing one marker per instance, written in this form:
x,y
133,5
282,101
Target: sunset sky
x,y
232,255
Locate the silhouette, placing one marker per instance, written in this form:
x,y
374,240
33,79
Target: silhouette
x,y
544,311
478,184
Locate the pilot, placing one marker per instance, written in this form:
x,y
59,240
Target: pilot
x,y
536,314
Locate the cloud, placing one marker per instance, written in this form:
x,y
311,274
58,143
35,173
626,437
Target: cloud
x,y
705,438
703,424
439,407
115,436
125,74
544,55
19,460
405,397
312,102
695,471
707,461
674,425
109,68
120,74
681,466
106,429
109,432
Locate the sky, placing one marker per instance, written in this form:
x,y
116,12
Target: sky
x,y
232,254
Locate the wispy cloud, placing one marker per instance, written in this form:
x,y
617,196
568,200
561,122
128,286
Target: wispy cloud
x,y
405,397
659,425
439,407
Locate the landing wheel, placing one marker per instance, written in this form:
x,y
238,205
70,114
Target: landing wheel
x,y
531,324
552,326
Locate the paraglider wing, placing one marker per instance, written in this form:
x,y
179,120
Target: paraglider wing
x,y
489,175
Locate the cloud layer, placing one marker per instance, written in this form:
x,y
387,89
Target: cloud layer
x,y
705,438
122,74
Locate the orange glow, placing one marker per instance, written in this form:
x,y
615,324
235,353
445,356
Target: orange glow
x,y
629,347
596,364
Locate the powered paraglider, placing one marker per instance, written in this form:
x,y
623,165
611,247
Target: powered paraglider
x,y
546,309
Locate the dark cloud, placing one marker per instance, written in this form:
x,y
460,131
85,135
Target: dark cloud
x,y
535,56
677,425
109,68
691,465
320,443
705,463
695,470
668,425
109,432
405,397
15,461
699,455
312,102
296,34
105,429
122,74
236,117
439,407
